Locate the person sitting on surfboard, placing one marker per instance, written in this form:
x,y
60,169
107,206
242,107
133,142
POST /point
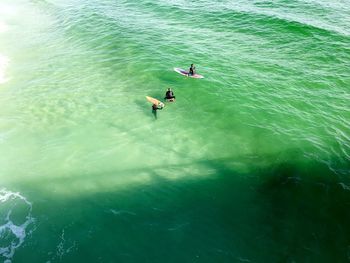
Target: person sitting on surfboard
x,y
192,70
169,95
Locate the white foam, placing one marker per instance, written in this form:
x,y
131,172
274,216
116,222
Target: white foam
x,y
18,231
63,248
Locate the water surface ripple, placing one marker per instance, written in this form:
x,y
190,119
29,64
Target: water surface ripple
x,y
249,165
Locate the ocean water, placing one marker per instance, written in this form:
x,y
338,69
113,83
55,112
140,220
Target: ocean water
x,y
250,164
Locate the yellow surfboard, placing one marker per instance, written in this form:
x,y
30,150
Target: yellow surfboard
x,y
155,101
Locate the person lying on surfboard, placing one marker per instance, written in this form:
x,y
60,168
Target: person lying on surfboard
x,y
169,95
192,70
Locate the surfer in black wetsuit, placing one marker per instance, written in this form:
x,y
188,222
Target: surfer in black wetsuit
x,y
156,107
169,95
192,70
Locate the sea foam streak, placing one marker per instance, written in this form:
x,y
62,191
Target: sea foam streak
x,y
13,233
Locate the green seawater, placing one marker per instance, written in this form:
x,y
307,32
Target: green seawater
x,y
250,164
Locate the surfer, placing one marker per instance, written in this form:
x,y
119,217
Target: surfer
x,y
156,107
192,70
169,95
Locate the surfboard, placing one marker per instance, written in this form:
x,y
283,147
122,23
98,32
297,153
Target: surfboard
x,y
185,73
155,101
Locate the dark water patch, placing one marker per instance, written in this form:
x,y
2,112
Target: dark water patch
x,y
310,210
282,213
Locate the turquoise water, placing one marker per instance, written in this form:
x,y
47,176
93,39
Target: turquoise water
x,y
250,164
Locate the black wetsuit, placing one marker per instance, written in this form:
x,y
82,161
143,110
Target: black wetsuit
x,y
157,107
169,95
191,71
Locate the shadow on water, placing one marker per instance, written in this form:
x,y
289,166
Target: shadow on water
x,y
306,213
145,107
281,213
